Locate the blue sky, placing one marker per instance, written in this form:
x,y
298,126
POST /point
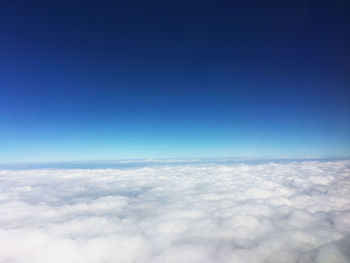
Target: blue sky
x,y
87,81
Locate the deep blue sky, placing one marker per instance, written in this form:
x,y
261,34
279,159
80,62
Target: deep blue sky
x,y
139,79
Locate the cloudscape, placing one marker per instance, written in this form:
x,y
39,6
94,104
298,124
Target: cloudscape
x,y
182,131
268,212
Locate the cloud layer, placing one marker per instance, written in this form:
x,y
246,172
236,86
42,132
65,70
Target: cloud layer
x,y
291,212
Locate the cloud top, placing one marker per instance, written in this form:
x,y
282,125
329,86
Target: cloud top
x,y
272,212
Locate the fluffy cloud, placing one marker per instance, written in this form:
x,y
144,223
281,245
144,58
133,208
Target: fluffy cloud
x,y
290,212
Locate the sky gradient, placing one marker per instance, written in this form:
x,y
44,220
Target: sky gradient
x,y
84,80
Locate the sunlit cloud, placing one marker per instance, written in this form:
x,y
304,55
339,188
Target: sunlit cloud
x,y
290,212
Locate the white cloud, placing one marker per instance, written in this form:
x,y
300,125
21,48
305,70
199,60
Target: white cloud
x,y
290,212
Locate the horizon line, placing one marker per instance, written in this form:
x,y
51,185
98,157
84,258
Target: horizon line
x,y
178,159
